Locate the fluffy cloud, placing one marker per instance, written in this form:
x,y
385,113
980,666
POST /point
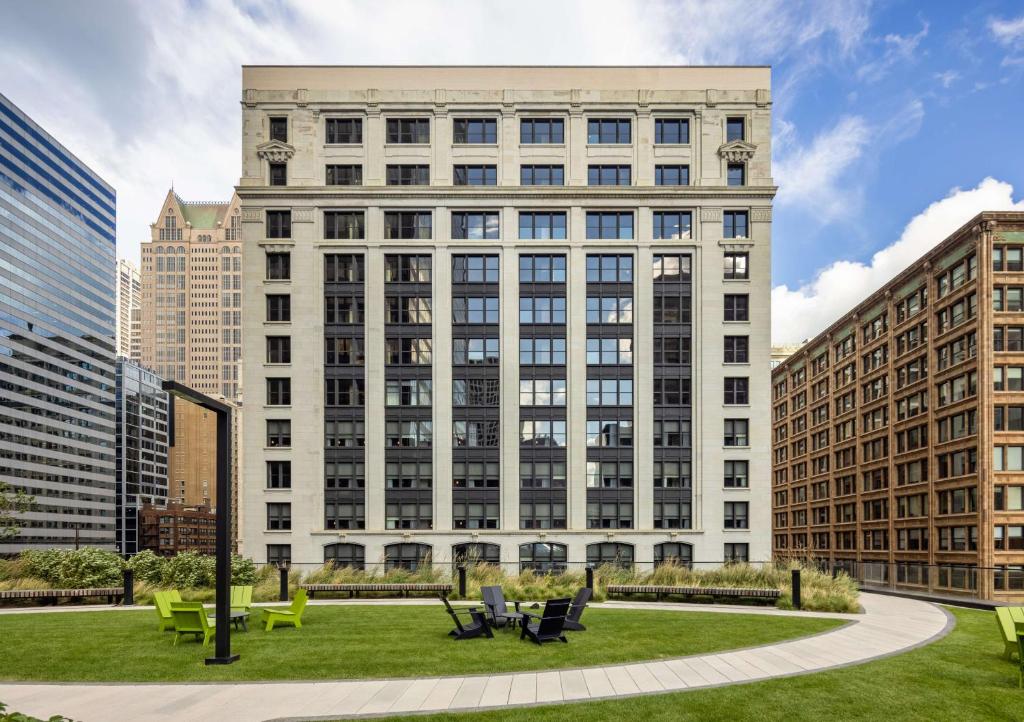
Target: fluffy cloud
x,y
801,313
1008,32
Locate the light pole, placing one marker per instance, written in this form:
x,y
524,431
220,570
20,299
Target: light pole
x,y
223,604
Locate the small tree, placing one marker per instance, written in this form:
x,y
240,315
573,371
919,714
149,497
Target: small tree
x,y
12,502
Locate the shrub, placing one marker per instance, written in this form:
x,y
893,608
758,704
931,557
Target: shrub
x,y
73,568
148,567
243,571
189,569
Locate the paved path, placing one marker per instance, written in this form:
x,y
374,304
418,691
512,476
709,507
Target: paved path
x,y
888,625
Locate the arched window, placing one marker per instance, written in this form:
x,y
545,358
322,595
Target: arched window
x,y
542,557
225,249
345,555
475,553
159,250
610,553
181,250
406,556
236,249
673,553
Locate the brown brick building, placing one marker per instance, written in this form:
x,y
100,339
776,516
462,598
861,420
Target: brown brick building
x,y
178,528
898,433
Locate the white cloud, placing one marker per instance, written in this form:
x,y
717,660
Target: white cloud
x,y
1008,32
947,78
897,49
801,313
147,93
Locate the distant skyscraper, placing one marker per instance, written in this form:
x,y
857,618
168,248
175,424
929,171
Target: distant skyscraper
x,y
129,294
142,434
57,332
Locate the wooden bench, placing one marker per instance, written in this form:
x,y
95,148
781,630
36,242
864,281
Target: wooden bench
x,y
660,592
51,596
354,589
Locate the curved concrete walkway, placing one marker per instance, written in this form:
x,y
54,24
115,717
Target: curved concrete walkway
x,y
889,625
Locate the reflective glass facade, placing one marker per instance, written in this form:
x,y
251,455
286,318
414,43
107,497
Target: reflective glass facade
x,y
57,308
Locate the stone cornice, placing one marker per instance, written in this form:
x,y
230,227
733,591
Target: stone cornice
x,y
731,196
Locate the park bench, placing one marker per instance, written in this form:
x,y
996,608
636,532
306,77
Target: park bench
x,y
660,592
52,596
353,589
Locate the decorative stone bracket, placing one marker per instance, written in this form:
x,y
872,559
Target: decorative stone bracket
x,y
737,151
275,151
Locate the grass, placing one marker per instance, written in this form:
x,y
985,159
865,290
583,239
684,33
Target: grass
x,y
345,642
960,677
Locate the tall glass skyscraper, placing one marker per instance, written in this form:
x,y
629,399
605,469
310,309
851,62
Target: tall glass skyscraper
x,y
57,308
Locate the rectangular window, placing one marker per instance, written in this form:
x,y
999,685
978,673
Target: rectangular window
x,y
542,433
279,129
542,225
475,392
736,552
672,225
609,351
278,174
737,474
407,351
344,131
541,269
476,175
672,175
475,351
279,307
737,174
408,130
608,130
542,351
609,269
279,349
671,131
737,349
541,392
279,224
541,310
610,309
407,224
475,309
735,224
278,266
279,391
609,225
736,266
737,307
609,392
608,175
279,475
541,131
734,129
408,175
279,517
737,515
475,130
475,226
343,268
408,392
407,268
347,225
344,175
542,175
736,432
475,434
474,269
279,432
737,391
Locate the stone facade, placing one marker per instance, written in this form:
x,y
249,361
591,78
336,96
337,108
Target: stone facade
x,y
715,122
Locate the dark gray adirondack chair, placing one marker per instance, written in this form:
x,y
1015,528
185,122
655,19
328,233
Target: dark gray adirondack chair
x,y
549,625
497,607
474,628
579,603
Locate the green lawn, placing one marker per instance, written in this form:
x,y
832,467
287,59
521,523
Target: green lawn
x,y
961,677
339,642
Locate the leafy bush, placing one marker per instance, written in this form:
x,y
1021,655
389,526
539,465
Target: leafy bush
x,y
148,567
189,569
243,571
6,716
74,568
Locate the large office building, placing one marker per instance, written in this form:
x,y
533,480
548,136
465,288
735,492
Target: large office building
x,y
129,309
514,313
57,303
898,433
142,435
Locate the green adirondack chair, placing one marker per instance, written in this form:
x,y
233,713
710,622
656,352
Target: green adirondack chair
x,y
1006,618
241,598
1020,653
162,602
190,618
292,615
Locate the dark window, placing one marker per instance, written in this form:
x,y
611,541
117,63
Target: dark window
x,y
609,269
278,174
344,392
735,552
407,224
737,474
279,517
737,515
475,392
474,269
608,130
735,224
475,130
408,175
736,349
541,175
279,391
737,307
279,349
345,555
672,225
476,175
734,129
542,557
278,266
608,175
406,556
344,130
737,174
542,225
475,226
344,224
541,130
737,390
407,268
671,130
540,269
343,268
672,175
736,432
279,475
736,265
279,224
279,307
279,432
408,130
674,553
279,554
344,175
279,129
610,225
616,554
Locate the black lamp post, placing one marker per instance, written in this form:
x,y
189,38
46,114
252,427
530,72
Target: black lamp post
x,y
223,606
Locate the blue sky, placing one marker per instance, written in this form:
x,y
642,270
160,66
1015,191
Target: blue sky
x,y
895,121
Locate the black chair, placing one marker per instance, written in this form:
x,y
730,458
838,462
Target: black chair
x,y
579,603
497,607
475,628
549,625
